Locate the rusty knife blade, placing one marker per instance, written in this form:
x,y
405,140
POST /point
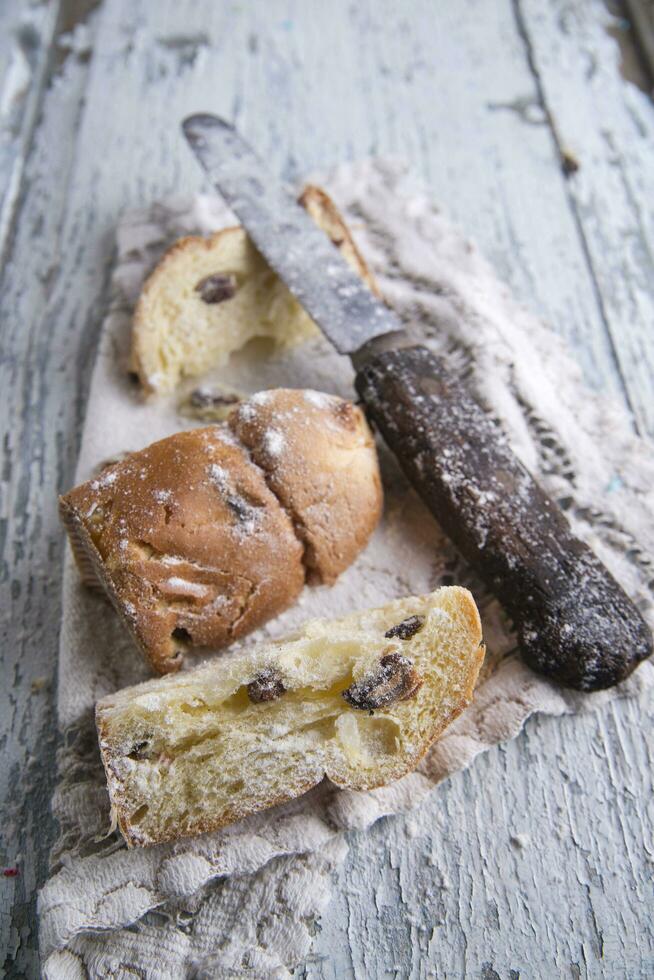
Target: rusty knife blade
x,y
299,252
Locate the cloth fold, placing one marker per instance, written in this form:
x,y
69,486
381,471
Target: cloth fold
x,y
243,900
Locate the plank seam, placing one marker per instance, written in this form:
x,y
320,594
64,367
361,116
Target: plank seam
x,y
641,17
10,205
523,33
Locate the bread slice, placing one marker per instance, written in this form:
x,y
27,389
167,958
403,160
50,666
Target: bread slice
x,y
359,700
208,297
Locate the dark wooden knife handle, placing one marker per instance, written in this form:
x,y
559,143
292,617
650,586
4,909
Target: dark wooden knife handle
x,y
573,620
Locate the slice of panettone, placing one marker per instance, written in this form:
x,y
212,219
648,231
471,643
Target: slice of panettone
x,y
359,700
208,297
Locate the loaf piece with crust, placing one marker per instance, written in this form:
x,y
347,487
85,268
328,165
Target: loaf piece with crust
x,y
189,542
359,700
319,458
208,297
205,535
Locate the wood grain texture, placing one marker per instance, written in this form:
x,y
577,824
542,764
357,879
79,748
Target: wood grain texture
x,y
609,128
538,861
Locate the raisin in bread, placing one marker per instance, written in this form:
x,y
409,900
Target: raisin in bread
x,y
203,536
208,297
358,700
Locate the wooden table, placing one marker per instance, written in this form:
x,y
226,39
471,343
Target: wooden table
x,y
538,861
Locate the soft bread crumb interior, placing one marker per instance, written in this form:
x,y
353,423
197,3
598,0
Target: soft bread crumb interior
x,y
191,752
178,334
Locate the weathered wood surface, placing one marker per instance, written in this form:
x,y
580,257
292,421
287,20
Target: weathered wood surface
x,y
538,861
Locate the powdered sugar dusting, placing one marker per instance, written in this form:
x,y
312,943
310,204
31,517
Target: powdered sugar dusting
x,y
318,398
104,480
246,411
224,434
185,587
219,476
273,442
260,398
130,609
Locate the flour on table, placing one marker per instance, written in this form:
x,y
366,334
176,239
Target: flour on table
x,y
247,895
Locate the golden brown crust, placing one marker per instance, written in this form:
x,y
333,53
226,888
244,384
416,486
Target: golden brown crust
x,y
327,216
186,535
320,461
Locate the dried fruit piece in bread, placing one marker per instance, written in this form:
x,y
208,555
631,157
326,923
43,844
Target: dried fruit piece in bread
x,y
359,700
196,544
208,297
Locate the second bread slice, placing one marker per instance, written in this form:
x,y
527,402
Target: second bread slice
x,y
358,700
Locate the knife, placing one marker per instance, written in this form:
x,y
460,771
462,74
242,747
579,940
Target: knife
x,y
574,622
